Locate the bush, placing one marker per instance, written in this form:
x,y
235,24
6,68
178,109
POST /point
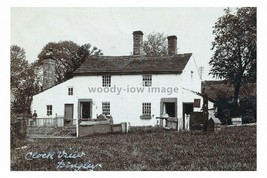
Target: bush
x,y
248,107
225,107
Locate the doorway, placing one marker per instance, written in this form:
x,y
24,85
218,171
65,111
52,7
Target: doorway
x,y
85,109
170,109
187,109
169,106
68,114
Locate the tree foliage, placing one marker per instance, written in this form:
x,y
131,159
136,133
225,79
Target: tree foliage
x,y
23,82
248,107
224,103
235,48
155,45
18,65
68,56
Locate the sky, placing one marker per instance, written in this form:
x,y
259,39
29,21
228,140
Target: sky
x,y
110,28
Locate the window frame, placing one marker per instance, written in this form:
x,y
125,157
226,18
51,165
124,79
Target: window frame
x,y
106,80
196,103
70,91
147,80
49,110
146,110
106,108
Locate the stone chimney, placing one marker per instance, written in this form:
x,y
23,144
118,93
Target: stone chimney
x,y
49,70
172,45
137,42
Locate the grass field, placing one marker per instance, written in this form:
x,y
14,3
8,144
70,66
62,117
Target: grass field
x,y
231,149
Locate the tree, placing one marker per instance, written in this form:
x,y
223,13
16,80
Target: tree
x,y
235,48
68,56
155,45
248,106
22,80
18,64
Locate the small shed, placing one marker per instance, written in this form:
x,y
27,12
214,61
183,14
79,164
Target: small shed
x,y
214,124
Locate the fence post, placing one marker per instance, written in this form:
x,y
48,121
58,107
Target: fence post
x,y
180,123
55,122
187,121
188,124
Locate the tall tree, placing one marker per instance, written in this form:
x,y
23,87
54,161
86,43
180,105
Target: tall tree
x,y
155,45
22,79
68,56
235,48
18,64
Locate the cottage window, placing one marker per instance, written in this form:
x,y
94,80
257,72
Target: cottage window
x,y
196,103
146,109
147,80
70,91
106,81
106,108
49,110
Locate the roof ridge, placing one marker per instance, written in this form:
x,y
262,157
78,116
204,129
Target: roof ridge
x,y
133,64
137,56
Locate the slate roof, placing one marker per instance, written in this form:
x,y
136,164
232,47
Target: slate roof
x,y
123,65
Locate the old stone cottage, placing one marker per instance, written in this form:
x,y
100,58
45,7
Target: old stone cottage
x,y
135,88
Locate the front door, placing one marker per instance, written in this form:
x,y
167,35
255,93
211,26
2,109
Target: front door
x,y
68,114
187,109
85,110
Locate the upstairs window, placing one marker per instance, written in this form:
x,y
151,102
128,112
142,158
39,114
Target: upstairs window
x,y
49,110
106,108
147,80
106,81
70,90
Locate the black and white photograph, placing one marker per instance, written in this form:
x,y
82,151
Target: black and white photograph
x,y
133,88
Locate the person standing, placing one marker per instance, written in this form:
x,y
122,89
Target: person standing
x,y
34,116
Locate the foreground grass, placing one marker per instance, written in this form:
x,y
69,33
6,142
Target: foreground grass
x,y
233,148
